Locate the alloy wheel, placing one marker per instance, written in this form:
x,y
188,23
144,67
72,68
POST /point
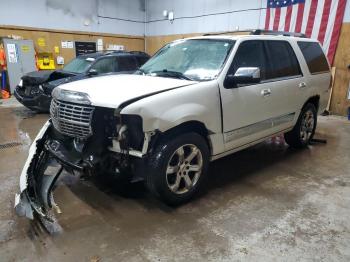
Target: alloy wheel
x,y
184,169
307,126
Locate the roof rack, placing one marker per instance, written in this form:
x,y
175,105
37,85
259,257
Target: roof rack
x,y
138,52
108,52
259,32
248,32
271,32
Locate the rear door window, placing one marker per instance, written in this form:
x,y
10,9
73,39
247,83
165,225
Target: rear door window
x,y
105,65
314,57
250,54
126,63
282,60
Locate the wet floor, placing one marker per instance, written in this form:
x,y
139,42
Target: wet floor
x,y
267,203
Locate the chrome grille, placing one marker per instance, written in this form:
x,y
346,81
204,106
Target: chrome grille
x,y
71,119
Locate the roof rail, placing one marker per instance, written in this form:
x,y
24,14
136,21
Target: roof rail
x,y
248,32
271,32
138,52
108,52
259,32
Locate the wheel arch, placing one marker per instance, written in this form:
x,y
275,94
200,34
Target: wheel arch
x,y
315,100
186,127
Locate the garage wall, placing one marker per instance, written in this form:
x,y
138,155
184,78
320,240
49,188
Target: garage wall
x,y
54,38
103,16
203,16
117,22
339,102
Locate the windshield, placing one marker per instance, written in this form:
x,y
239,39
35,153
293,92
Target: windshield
x,y
78,65
195,59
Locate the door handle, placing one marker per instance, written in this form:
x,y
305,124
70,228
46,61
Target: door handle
x,y
302,85
266,92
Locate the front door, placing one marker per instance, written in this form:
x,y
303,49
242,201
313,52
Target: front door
x,y
247,108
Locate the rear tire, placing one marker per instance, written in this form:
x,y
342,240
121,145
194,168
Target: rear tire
x,y
304,130
177,169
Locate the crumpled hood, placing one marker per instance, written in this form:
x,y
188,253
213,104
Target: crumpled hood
x,y
52,84
114,90
40,77
37,77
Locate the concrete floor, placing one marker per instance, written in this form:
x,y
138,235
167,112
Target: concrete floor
x,y
267,203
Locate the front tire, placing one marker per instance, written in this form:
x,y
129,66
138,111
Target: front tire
x,y
177,169
304,130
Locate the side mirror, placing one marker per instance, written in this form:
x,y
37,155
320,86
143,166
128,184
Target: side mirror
x,y
92,72
243,75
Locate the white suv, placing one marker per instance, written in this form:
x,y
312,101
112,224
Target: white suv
x,y
195,101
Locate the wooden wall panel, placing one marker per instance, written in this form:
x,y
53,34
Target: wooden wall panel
x,y
339,102
154,43
54,37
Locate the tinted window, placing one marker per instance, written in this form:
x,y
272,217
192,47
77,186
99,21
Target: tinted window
x,y
250,54
141,60
126,63
282,60
104,65
78,65
314,57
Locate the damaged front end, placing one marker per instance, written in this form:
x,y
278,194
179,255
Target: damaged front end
x,y
81,140
27,200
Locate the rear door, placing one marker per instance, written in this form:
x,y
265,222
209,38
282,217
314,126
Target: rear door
x,y
105,65
287,83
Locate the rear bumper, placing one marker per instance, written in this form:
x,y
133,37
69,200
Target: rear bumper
x,y
41,102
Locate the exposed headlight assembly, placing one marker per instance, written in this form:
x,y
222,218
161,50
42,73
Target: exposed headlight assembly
x,y
71,96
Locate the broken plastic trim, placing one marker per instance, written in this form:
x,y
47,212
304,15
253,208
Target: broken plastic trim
x,y
116,145
36,184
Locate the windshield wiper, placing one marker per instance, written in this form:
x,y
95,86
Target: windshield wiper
x,y
169,73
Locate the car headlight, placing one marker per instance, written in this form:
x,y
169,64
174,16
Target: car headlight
x,y
71,96
20,84
41,88
35,91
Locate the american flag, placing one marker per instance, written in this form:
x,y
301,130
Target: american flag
x,y
318,19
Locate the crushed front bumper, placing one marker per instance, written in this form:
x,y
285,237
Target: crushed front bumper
x,y
45,163
41,102
23,205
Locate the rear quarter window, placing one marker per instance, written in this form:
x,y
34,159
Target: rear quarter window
x,y
127,63
314,57
141,60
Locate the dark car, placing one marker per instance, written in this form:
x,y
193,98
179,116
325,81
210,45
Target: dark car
x,y
35,88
